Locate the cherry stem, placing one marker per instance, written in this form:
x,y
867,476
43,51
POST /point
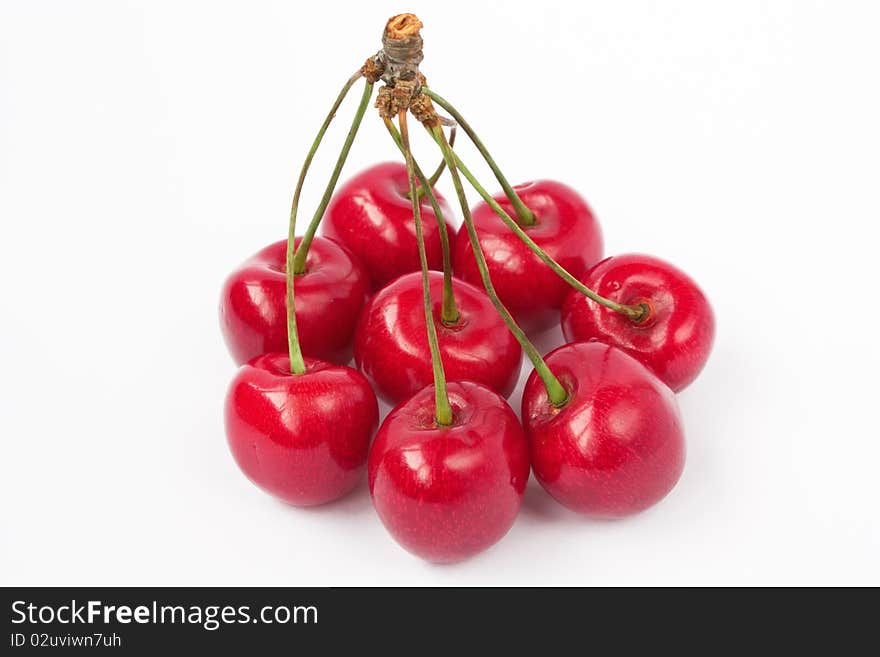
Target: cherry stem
x,y
299,261
449,313
432,181
635,313
523,213
442,409
297,364
555,390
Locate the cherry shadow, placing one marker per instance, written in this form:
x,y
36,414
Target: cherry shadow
x,y
549,339
539,505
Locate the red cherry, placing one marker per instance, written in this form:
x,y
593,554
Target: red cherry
x,y
303,438
391,346
566,229
676,338
329,297
372,216
616,447
447,493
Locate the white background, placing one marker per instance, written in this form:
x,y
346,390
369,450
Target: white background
x,y
147,148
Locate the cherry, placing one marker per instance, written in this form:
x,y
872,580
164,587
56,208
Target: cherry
x,y
616,446
446,493
673,340
372,216
565,229
391,349
303,438
330,295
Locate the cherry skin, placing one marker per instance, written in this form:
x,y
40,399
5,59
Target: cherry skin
x,y
303,438
372,216
391,347
329,297
675,339
447,493
565,229
616,446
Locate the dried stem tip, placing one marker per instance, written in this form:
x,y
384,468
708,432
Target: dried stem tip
x,y
397,65
400,55
401,51
402,26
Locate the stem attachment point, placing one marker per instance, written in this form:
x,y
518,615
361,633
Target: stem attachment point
x,y
643,312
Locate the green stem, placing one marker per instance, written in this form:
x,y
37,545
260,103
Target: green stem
x,y
449,313
635,313
525,216
297,364
299,262
555,390
440,167
443,411
432,181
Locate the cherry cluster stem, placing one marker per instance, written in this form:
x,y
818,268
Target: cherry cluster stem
x,y
296,258
432,180
297,363
442,409
555,390
449,313
440,167
523,213
635,313
299,262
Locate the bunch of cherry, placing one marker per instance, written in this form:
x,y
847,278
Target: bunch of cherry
x,y
437,324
